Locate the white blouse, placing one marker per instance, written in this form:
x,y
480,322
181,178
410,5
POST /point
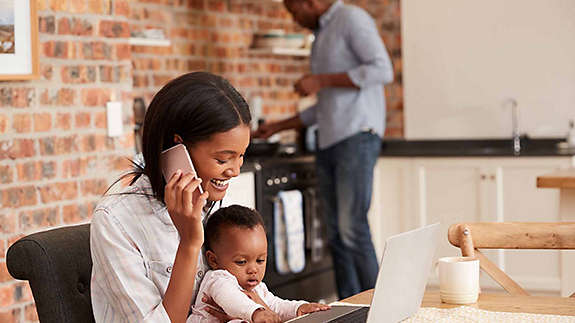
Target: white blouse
x,y
133,244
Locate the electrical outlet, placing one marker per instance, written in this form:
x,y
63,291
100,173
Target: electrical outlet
x,y
114,118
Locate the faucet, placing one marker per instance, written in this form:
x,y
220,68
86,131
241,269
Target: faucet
x,y
515,124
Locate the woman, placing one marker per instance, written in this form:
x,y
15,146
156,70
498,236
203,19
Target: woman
x,y
146,240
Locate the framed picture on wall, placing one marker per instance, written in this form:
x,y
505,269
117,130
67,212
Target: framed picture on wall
x,y
18,40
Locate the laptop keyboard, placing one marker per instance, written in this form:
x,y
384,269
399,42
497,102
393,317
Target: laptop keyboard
x,y
359,316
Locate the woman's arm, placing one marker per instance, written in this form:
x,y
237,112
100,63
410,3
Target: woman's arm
x,y
120,288
178,297
185,208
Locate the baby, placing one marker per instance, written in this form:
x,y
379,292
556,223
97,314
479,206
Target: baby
x,y
236,251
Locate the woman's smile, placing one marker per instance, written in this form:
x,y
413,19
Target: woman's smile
x,y
220,184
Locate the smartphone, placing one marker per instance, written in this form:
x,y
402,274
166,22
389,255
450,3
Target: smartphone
x,y
176,158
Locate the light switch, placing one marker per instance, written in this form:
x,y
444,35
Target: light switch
x,y
256,104
114,118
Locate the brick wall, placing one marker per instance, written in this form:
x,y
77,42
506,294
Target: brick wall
x,y
54,151
55,157
215,35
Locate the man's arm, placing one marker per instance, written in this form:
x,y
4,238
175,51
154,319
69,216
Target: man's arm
x,y
336,80
313,83
375,65
268,129
366,43
294,122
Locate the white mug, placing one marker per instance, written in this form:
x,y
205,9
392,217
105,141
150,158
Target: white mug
x,y
459,280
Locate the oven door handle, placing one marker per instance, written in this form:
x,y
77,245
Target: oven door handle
x,y
317,243
308,218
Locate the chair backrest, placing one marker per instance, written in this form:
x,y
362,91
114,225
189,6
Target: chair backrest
x,y
58,265
469,237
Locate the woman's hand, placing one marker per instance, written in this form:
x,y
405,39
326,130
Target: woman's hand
x,y
256,298
261,315
185,209
185,205
265,315
311,307
215,310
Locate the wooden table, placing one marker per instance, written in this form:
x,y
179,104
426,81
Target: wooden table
x,y
564,180
494,302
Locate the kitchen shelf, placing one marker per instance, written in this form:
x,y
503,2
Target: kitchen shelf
x,y
140,41
282,51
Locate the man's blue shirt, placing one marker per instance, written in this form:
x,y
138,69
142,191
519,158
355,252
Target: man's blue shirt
x,y
348,41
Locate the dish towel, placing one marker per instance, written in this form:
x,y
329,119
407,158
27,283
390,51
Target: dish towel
x,y
289,232
280,239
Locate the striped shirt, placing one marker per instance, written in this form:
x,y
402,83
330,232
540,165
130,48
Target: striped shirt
x,y
133,244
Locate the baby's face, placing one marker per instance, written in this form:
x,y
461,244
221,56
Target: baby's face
x,y
242,252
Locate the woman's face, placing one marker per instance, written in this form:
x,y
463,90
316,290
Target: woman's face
x,y
219,158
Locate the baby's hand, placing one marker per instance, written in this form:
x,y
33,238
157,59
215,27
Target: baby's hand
x,y
262,315
311,307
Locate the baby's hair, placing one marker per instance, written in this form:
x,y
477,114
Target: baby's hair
x,y
233,216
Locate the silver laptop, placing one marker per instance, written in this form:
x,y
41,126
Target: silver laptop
x,y
405,267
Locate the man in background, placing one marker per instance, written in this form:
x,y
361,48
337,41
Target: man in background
x,y
349,66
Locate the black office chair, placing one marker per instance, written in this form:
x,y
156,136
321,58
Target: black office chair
x,y
58,265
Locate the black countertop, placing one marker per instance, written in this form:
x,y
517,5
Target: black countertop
x,y
530,147
474,148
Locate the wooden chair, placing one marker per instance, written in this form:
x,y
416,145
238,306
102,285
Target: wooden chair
x,y
469,237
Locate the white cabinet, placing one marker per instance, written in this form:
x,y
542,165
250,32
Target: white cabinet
x,y
390,200
448,194
241,190
411,192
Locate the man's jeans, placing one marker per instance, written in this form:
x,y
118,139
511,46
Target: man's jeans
x,y
345,175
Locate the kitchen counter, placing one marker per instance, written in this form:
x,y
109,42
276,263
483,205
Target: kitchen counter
x,y
473,148
447,148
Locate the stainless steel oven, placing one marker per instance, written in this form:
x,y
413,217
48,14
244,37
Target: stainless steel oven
x,y
316,282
